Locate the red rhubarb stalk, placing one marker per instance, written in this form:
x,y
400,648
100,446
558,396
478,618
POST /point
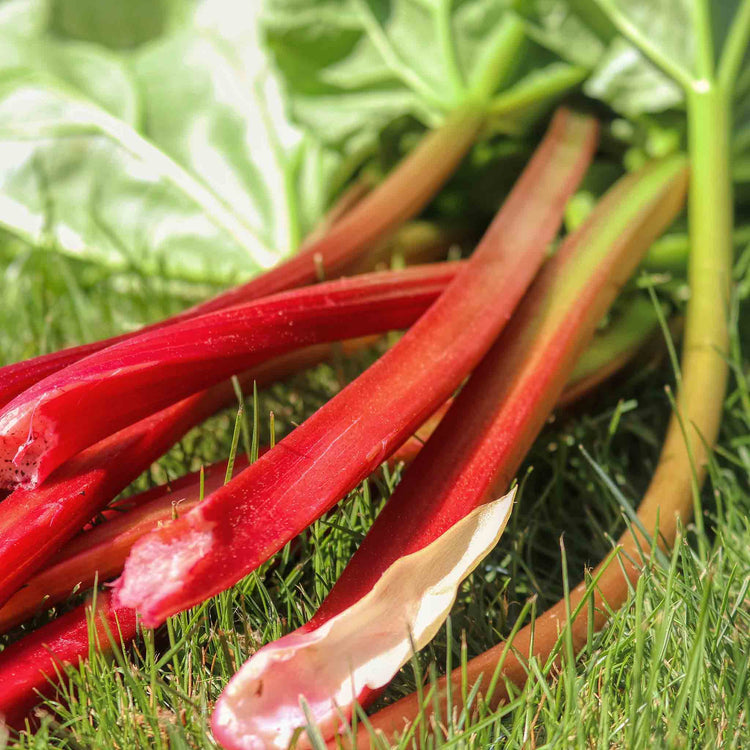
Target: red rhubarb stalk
x,y
35,523
241,525
470,459
609,352
100,553
352,228
30,667
510,395
41,428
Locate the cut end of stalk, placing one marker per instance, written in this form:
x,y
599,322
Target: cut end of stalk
x,y
157,566
23,445
359,650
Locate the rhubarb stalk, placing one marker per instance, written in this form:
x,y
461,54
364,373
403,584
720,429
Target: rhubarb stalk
x,y
99,553
39,430
241,525
34,523
407,606
28,668
471,457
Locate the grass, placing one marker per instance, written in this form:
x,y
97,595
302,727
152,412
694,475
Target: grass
x,y
671,669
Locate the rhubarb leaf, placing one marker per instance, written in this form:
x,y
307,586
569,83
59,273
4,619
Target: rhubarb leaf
x,y
360,649
641,55
175,159
353,66
629,83
620,74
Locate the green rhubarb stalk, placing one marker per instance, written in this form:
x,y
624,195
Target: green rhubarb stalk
x,y
670,253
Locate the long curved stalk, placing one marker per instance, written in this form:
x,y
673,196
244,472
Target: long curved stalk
x,y
29,666
34,523
160,367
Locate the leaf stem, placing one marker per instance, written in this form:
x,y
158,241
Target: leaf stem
x,y
670,252
448,48
703,28
735,47
502,55
533,92
393,60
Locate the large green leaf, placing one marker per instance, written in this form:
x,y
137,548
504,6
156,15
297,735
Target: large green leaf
x,y
174,159
667,24
643,54
629,83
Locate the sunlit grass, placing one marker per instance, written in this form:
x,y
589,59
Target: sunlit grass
x,y
671,669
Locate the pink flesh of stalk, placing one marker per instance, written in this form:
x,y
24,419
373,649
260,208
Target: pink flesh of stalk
x,y
241,525
41,428
471,457
400,196
100,552
35,523
31,665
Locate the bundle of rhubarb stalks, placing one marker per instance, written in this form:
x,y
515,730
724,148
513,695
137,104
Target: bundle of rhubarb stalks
x,y
491,345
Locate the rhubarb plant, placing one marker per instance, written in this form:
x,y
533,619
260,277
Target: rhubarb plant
x,y
353,65
706,75
35,522
171,152
190,134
